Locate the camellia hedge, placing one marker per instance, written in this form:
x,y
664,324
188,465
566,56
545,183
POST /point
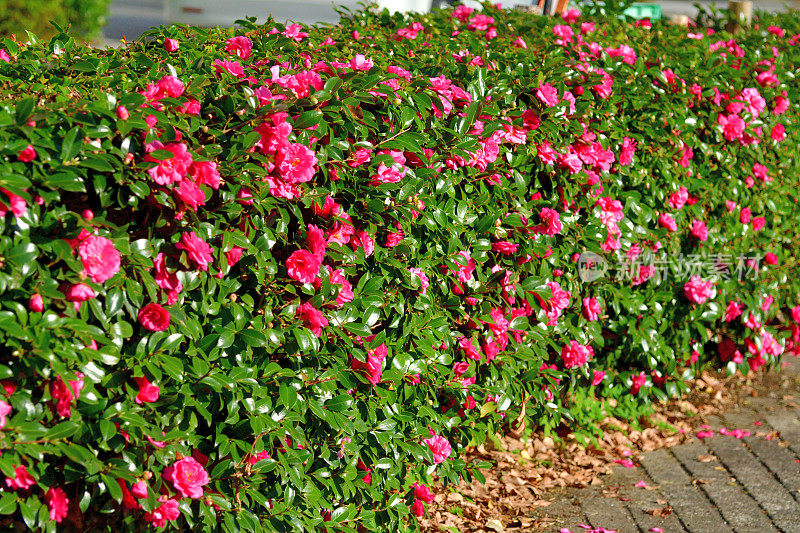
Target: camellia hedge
x,y
280,277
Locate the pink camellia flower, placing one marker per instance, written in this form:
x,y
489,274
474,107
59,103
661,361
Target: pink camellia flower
x,y
551,222
312,317
171,45
575,354
745,215
698,291
771,259
99,257
295,31
666,221
637,382
188,477
166,280
732,126
424,281
4,56
205,173
36,303
64,393
778,133
505,247
260,456
197,249
571,15
147,391
591,309
759,223
153,317
439,446
58,503
79,292
627,150
700,230
190,194
303,266
760,172
139,489
315,239
234,68
679,198
296,163
5,408
239,46
27,155
21,480
167,511
18,204
170,170
547,94
597,377
733,310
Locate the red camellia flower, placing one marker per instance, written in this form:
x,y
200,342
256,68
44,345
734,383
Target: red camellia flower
x,y
591,309
99,257
188,477
171,45
154,317
296,163
198,250
422,492
312,318
21,480
27,155
637,382
303,266
58,503
147,391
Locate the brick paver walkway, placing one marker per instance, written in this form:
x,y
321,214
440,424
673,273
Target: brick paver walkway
x,y
714,485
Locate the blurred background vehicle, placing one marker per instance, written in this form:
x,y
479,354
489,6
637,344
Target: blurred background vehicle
x,y
107,21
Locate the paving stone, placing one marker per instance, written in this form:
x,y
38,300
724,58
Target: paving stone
x,y
690,505
608,513
565,512
779,460
759,482
739,510
641,500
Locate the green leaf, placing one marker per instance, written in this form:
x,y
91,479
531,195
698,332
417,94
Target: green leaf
x,y
8,503
23,110
287,395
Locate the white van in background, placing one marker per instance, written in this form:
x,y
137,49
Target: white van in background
x,y
225,12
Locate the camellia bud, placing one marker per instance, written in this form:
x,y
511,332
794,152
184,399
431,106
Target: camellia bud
x,y
36,303
88,214
122,113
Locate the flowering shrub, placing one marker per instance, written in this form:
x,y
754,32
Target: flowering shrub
x,y
283,276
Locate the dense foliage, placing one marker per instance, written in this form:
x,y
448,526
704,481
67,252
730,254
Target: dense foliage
x,y
280,277
84,18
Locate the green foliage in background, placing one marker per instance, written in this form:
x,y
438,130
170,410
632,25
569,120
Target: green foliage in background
x,y
85,18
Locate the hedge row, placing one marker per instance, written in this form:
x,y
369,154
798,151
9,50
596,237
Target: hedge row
x,y
280,277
